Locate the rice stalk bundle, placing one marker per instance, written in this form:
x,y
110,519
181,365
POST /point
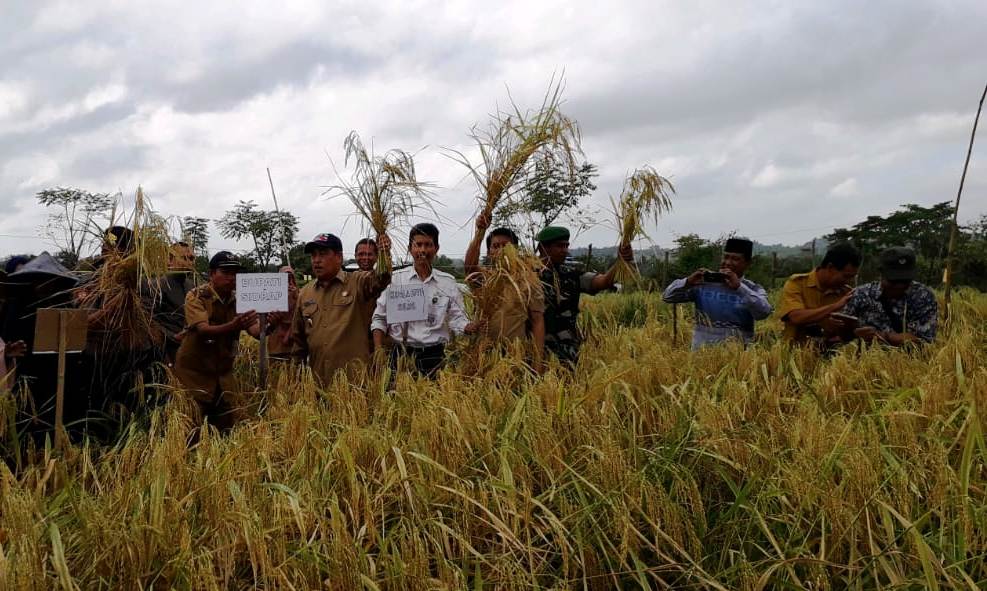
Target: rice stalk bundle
x,y
512,270
645,196
513,140
124,284
384,189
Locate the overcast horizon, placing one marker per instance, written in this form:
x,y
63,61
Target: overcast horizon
x,y
777,120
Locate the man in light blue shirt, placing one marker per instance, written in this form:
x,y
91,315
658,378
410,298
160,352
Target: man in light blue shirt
x,y
727,305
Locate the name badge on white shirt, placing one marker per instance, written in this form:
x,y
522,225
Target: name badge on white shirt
x,y
406,303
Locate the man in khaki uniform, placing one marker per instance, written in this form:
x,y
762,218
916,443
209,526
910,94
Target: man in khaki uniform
x,y
330,326
808,299
520,316
279,323
204,363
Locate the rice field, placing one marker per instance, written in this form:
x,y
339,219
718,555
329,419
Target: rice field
x,y
651,467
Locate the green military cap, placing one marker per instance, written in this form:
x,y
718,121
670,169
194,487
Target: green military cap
x,y
552,233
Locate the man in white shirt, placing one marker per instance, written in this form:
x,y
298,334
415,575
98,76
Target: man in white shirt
x,y
443,314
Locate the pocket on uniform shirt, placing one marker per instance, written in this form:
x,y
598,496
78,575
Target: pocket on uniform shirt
x,y
439,302
310,312
343,300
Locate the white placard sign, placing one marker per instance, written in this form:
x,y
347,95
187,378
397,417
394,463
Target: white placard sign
x,y
405,303
261,292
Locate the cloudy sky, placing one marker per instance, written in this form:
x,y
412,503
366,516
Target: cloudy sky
x,y
778,120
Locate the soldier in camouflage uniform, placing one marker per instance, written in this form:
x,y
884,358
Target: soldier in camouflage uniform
x,y
563,284
896,310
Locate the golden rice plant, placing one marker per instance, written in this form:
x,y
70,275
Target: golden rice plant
x,y
384,189
512,270
650,466
120,289
511,141
645,196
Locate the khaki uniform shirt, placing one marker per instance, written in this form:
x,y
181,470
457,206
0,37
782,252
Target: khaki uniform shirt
x,y
802,292
510,321
204,364
331,327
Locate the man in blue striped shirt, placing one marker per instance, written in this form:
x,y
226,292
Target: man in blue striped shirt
x,y
726,304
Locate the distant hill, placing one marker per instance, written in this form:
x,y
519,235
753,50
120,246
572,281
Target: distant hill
x,y
783,250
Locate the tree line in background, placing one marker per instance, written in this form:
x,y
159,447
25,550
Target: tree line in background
x,y
79,218
925,229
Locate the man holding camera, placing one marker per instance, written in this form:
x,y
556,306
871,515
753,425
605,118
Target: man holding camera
x,y
727,305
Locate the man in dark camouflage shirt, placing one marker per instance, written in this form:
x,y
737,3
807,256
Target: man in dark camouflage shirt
x,y
563,284
896,310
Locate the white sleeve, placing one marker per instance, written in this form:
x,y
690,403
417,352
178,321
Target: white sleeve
x,y
379,320
456,313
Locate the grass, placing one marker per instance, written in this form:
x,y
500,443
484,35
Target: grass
x,y
652,467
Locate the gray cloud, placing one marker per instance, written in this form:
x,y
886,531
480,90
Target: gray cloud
x,y
780,119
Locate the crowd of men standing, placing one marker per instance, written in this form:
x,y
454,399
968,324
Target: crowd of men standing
x,y
339,322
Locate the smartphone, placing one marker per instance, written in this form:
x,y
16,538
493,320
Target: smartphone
x,y
851,322
714,277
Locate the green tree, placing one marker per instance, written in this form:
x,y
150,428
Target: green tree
x,y
74,226
272,232
444,263
926,229
299,261
195,231
693,252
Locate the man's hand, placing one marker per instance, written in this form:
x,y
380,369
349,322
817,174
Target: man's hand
x,y
384,242
482,222
733,282
476,327
696,278
866,333
15,349
843,301
244,321
626,253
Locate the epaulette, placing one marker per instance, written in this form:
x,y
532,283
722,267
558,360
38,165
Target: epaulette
x,y
204,292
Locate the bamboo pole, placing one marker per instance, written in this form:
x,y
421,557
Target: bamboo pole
x,y
954,231
60,388
675,324
774,268
285,261
263,351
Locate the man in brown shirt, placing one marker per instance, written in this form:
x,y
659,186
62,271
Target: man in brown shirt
x,y
166,299
204,363
330,326
808,299
279,340
520,315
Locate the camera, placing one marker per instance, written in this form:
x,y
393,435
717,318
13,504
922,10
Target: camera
x,y
714,277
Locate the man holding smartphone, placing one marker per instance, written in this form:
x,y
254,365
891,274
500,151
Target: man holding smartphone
x,y
810,302
727,305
